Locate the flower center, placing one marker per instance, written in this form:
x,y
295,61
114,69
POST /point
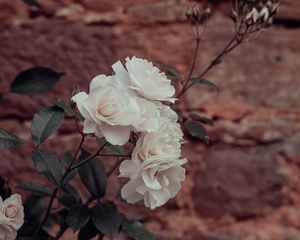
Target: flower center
x,y
11,211
107,109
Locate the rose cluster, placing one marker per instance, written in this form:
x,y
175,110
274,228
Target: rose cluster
x,y
11,217
133,100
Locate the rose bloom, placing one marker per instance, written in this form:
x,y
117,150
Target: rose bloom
x,y
164,143
146,79
109,109
155,170
155,180
7,233
11,216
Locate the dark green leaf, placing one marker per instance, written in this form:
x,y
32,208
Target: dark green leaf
x,y
66,107
8,139
137,230
197,130
115,149
45,122
202,119
32,3
46,163
205,82
35,81
72,195
168,69
78,217
61,218
106,219
112,149
67,159
37,189
93,176
173,77
69,110
28,230
88,232
5,190
34,207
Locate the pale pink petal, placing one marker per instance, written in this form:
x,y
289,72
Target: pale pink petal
x,y
116,135
129,193
89,126
150,182
127,168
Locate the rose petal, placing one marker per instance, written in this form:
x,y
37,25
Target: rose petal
x,y
129,193
151,183
127,168
116,135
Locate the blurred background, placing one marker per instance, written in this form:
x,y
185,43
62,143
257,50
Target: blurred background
x,y
246,184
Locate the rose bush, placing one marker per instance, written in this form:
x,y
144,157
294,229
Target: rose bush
x,y
131,116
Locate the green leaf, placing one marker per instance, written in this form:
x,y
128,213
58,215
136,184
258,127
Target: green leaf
x,y
202,119
8,139
93,176
37,189
66,107
205,82
34,207
88,232
78,217
169,69
72,197
173,77
67,159
197,130
137,230
5,190
112,149
32,3
35,80
106,219
69,110
45,122
46,163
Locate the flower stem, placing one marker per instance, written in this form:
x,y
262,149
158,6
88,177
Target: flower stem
x,y
68,170
46,214
229,47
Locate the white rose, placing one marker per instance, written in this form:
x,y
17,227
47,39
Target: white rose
x,y
12,212
149,116
164,143
109,109
166,112
155,170
7,233
155,180
147,80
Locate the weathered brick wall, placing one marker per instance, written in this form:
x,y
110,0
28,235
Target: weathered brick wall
x,y
246,184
